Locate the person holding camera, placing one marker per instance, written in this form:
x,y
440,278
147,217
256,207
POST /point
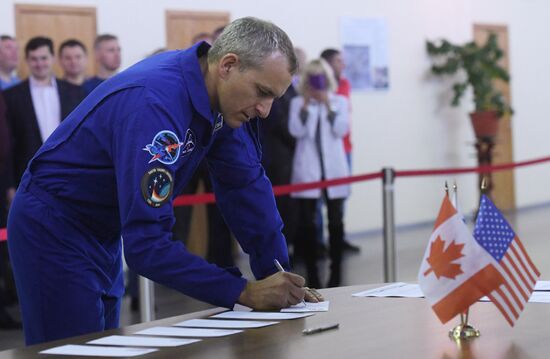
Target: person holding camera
x,y
319,121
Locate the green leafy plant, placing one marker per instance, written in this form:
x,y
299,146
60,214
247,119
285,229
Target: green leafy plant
x,y
481,68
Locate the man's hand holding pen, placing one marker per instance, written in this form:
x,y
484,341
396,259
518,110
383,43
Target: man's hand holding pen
x,y
280,290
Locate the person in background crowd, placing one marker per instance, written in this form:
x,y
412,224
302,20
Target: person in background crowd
x,y
217,32
73,58
202,36
278,151
36,106
319,120
336,61
302,60
220,240
9,58
6,320
160,50
107,57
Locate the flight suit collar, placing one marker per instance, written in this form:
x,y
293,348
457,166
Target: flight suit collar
x,y
192,75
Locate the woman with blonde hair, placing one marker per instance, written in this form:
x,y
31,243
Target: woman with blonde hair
x,y
319,120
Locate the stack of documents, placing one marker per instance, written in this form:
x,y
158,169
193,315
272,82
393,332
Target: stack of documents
x,y
187,332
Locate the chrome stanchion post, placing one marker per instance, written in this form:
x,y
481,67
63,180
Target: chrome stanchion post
x,y
146,299
388,180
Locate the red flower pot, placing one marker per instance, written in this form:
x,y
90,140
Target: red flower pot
x,y
485,123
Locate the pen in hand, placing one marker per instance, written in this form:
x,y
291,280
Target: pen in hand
x,y
281,269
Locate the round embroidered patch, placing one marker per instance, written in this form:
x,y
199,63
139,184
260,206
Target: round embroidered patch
x,y
157,186
165,147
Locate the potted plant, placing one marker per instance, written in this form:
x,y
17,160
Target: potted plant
x,y
479,68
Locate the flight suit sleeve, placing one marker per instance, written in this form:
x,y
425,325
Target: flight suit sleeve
x,y
245,197
145,180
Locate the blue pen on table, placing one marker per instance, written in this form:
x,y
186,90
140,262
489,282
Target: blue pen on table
x,y
281,269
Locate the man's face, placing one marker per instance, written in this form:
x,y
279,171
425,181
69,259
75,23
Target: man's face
x,y
9,55
40,62
108,54
337,64
243,95
73,60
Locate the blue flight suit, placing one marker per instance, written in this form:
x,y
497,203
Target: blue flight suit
x,y
111,170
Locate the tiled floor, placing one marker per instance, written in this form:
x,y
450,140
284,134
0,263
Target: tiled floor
x,y
531,225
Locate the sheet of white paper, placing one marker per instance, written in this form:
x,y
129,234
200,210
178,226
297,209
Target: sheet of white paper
x,y
187,332
94,350
260,315
231,324
398,289
542,285
540,297
308,307
141,341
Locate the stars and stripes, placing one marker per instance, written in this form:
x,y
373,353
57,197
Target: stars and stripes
x,y
495,235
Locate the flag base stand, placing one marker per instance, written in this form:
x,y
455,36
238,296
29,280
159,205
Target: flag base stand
x,y
464,331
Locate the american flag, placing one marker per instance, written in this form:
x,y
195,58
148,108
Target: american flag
x,y
495,235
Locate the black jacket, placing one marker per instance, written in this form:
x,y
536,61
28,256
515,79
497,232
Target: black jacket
x,y
22,121
278,143
4,157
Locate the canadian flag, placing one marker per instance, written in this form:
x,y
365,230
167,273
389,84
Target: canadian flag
x,y
455,271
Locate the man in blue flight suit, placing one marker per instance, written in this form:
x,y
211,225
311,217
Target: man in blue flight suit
x,y
112,168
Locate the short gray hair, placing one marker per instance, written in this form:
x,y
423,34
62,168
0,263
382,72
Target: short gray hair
x,y
253,40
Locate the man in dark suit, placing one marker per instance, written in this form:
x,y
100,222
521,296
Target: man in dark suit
x,y
4,144
278,151
107,57
6,321
36,106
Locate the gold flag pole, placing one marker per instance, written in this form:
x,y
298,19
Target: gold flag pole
x,y
463,330
484,185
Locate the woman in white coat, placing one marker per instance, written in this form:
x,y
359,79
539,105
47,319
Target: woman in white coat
x,y
319,119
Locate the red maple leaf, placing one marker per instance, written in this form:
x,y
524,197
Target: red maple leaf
x,y
441,259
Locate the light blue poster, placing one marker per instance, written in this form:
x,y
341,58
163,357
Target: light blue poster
x,y
365,51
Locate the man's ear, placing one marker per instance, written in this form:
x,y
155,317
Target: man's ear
x,y
228,63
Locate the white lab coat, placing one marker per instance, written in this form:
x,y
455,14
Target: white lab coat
x,y
306,166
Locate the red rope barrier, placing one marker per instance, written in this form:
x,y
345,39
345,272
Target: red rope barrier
x,y
204,198
192,199
298,187
463,170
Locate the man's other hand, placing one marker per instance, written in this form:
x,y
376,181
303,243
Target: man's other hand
x,y
313,296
